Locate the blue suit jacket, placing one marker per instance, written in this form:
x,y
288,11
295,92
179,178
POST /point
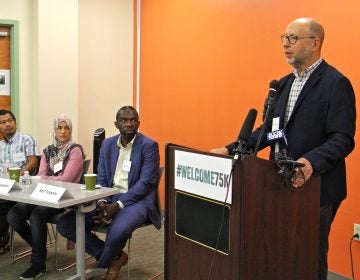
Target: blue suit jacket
x,y
143,174
321,127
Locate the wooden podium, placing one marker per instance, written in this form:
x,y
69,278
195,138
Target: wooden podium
x,y
269,231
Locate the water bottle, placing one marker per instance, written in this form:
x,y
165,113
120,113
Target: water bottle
x,y
26,182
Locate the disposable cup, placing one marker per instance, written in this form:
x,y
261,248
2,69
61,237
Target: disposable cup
x,y
90,181
14,173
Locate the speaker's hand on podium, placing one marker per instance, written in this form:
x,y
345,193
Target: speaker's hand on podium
x,y
302,173
221,151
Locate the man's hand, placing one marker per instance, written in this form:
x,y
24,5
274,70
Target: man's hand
x,y
221,151
303,174
105,213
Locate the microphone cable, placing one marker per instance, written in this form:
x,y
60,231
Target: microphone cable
x,y
221,222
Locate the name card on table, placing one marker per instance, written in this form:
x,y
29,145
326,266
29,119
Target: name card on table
x,y
49,192
6,185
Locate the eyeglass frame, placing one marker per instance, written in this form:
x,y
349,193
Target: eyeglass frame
x,y
294,38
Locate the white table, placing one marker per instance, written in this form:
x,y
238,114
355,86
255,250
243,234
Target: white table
x,y
82,200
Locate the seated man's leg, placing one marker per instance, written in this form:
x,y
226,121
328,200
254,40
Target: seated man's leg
x,y
123,224
17,218
67,228
4,225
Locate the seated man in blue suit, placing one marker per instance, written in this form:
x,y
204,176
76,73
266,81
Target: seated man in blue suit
x,y
129,162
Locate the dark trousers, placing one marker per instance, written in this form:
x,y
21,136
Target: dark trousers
x,y
327,215
33,232
4,226
123,224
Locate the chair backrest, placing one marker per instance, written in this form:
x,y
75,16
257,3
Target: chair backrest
x,y
36,170
99,136
86,165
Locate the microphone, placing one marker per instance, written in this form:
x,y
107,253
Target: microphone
x,y
274,87
278,137
286,164
244,135
273,91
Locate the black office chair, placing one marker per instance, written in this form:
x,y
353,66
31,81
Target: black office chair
x,y
36,170
99,136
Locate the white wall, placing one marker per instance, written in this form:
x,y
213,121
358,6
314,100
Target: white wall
x,y
76,57
57,64
105,65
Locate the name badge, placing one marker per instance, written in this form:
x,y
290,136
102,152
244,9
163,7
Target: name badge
x,y
48,192
18,157
126,165
275,124
58,167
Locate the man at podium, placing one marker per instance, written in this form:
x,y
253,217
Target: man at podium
x,y
316,110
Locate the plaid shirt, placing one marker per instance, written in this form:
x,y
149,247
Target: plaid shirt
x,y
297,86
18,144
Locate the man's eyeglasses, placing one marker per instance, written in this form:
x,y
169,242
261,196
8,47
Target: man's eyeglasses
x,y
292,39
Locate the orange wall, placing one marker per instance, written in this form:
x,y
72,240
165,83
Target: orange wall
x,y
205,63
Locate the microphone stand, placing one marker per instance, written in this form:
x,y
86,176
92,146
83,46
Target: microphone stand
x,y
241,150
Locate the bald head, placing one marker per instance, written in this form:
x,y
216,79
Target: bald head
x,y
302,42
312,26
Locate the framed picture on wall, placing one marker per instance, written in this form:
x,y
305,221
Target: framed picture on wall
x,y
4,82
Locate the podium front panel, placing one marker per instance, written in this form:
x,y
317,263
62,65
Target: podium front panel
x,y
203,221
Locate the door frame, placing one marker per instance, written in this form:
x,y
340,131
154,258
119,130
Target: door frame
x,y
14,65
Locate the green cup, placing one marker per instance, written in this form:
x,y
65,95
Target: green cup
x,y
14,173
90,181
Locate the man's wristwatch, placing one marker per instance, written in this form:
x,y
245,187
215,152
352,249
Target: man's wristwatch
x,y
101,200
119,203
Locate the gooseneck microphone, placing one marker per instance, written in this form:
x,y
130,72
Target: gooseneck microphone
x,y
244,135
273,90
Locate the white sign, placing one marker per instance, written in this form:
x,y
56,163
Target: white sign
x,y
48,192
204,175
4,82
6,185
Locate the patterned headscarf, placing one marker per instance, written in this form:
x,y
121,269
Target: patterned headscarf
x,y
61,148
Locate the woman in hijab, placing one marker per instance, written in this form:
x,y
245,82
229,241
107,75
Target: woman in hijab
x,y
61,161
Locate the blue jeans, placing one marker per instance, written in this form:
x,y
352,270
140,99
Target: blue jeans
x,y
33,232
123,224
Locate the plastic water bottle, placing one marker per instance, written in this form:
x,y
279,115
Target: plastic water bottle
x,y
26,182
